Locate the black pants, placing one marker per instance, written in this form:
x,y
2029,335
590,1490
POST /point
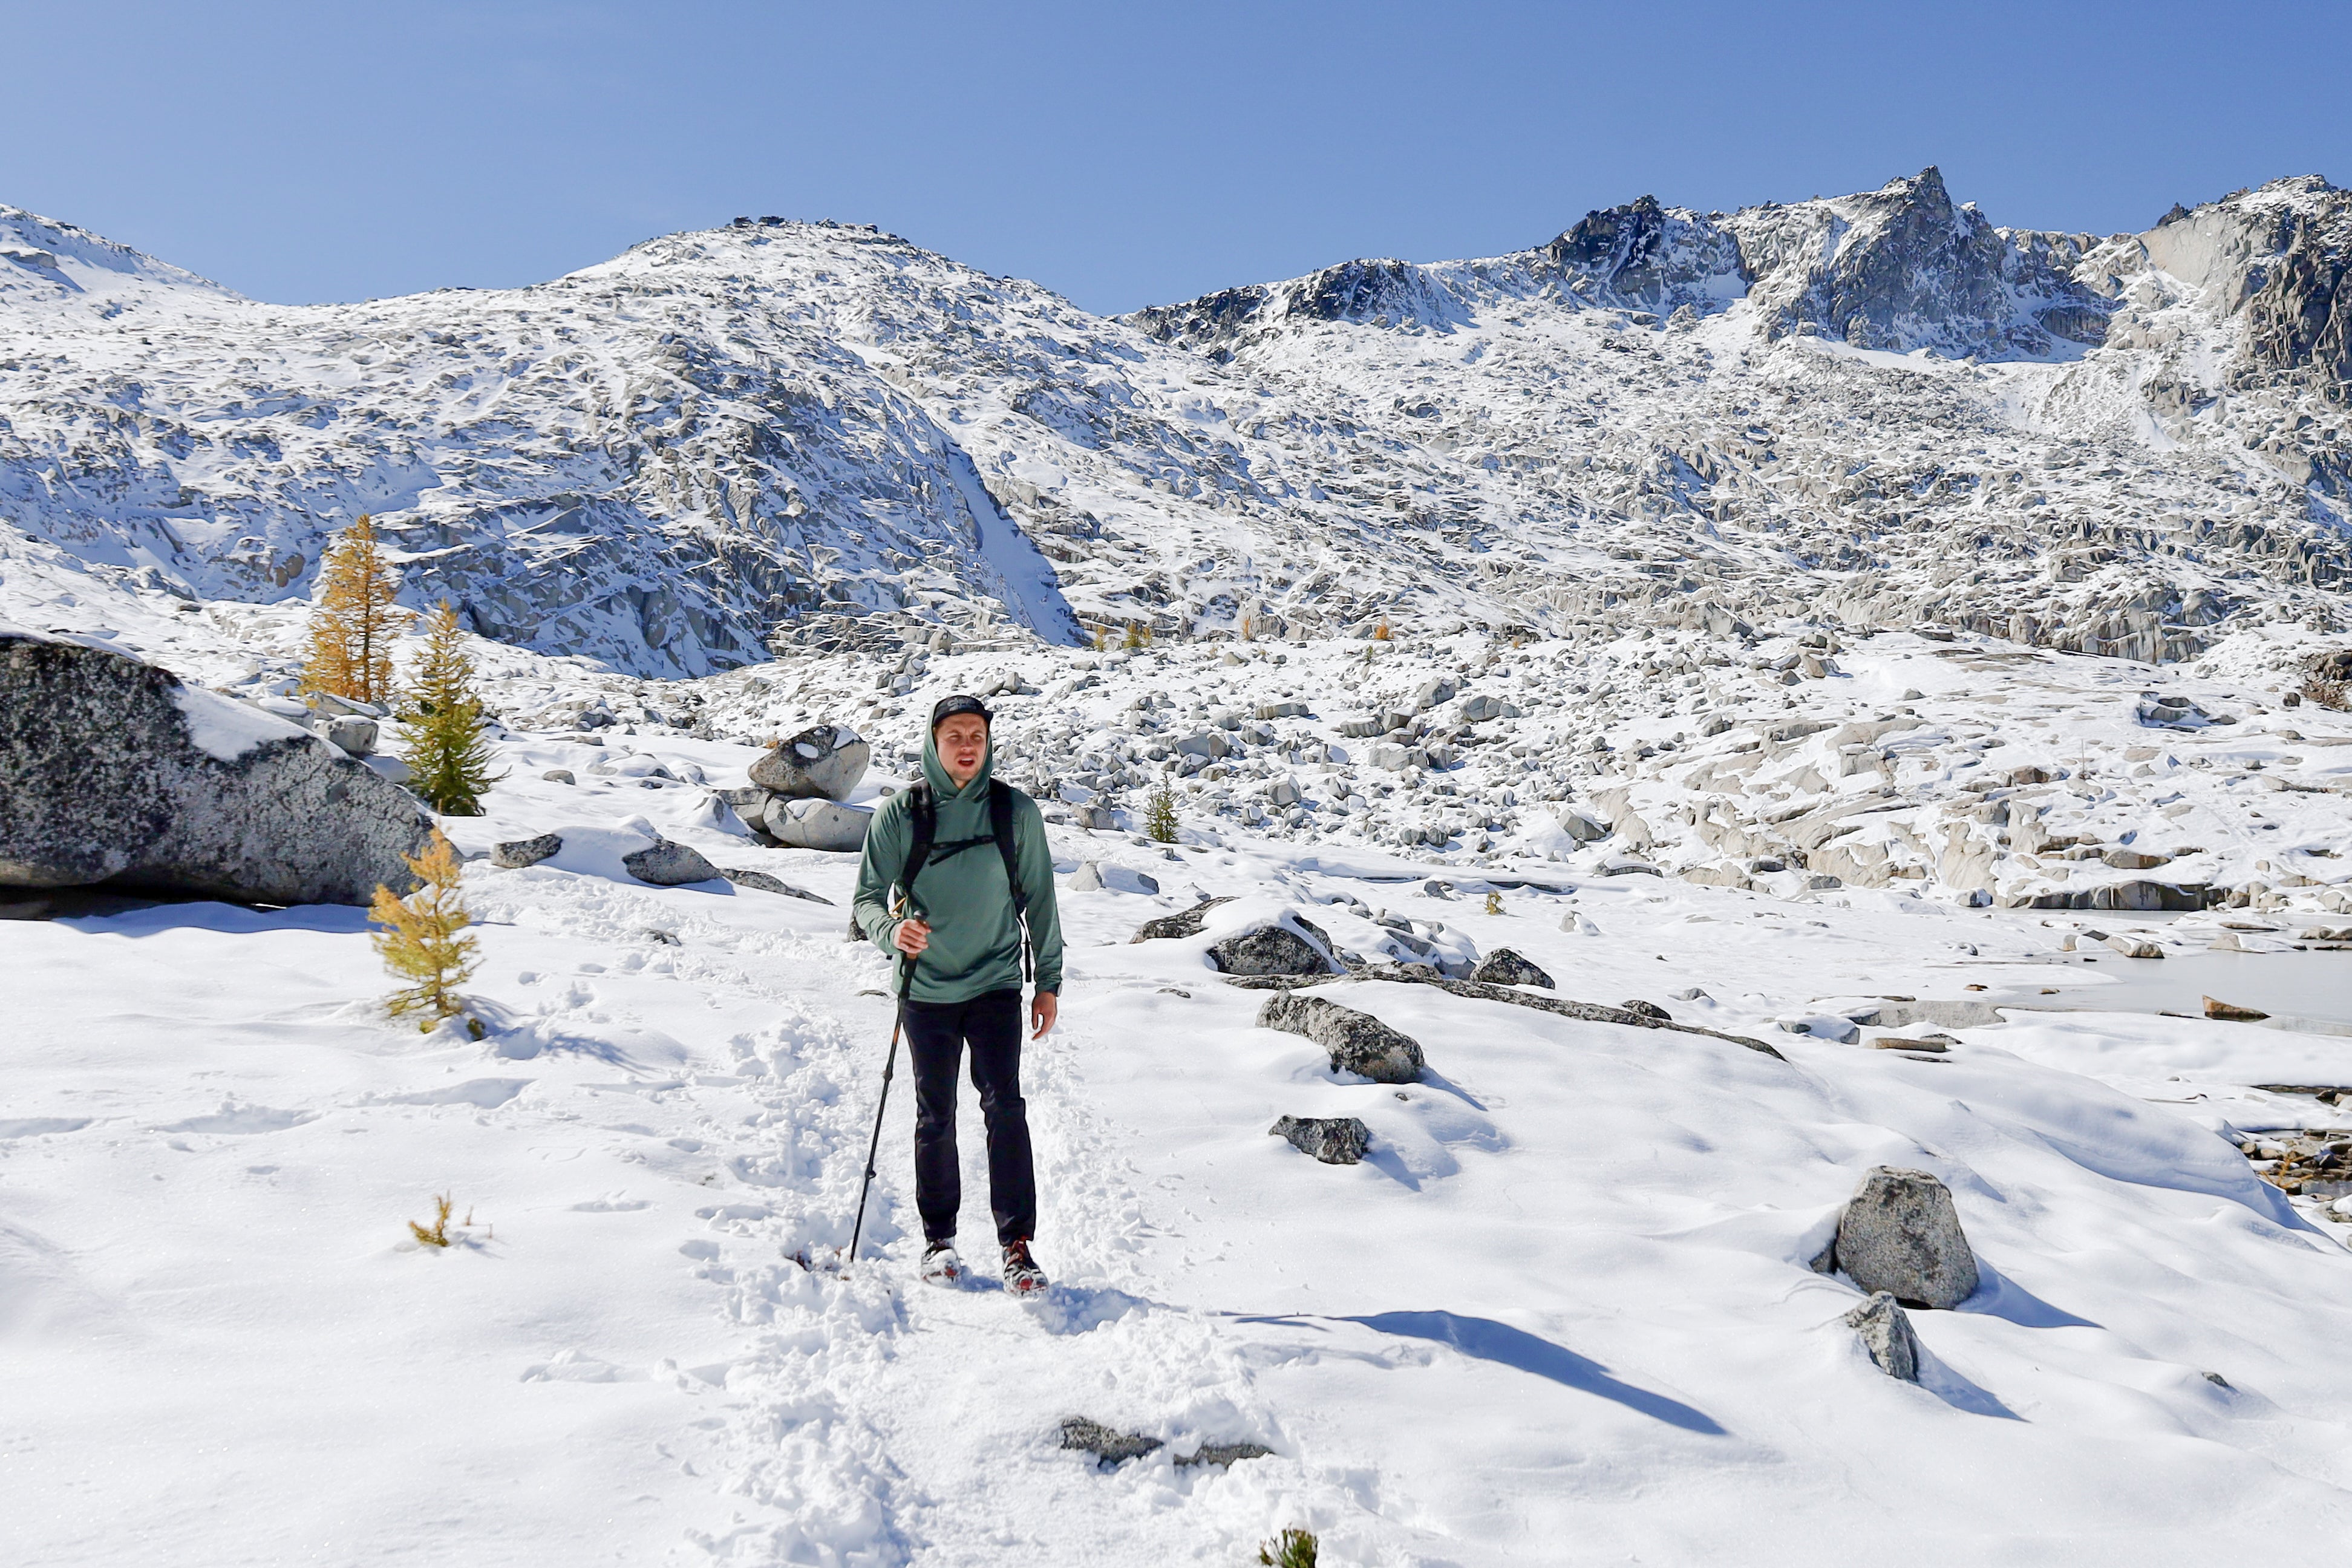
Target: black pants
x,y
937,1033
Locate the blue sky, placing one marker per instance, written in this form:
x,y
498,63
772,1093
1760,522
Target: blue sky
x,y
1122,154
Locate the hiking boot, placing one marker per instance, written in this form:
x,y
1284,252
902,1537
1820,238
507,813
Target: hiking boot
x,y
941,1264
1022,1275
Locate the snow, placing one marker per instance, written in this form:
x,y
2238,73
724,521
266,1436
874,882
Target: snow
x,y
1563,1300
224,729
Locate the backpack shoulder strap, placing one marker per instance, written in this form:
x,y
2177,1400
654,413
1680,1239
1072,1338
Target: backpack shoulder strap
x,y
923,817
1000,822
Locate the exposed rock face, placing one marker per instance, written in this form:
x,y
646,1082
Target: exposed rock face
x,y
823,761
1505,967
1183,922
112,772
1656,257
2282,257
1903,268
1334,1140
1356,1042
1885,1330
518,852
668,864
1900,1233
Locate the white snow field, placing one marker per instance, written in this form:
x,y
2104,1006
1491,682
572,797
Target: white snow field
x,y
1561,1313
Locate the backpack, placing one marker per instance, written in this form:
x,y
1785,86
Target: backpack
x,y
925,818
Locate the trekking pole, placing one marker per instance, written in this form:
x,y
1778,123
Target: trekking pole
x,y
890,1066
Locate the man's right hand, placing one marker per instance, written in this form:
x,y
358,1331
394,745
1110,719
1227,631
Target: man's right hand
x,y
912,936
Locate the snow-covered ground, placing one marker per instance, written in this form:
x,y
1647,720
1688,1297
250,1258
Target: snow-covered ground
x,y
1560,1314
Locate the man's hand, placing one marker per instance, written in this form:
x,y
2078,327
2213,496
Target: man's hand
x,y
912,936
1044,1008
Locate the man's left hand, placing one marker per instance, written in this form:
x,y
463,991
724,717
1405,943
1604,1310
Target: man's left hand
x,y
1044,1008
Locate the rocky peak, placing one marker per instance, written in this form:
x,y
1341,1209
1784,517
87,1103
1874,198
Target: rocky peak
x,y
2281,257
1655,257
1905,268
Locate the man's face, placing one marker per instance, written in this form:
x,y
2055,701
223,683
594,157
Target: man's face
x,y
964,746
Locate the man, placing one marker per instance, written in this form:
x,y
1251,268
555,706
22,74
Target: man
x,y
984,864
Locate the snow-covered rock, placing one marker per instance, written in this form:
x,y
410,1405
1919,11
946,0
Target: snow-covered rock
x,y
114,772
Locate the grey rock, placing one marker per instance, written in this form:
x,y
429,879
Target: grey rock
x,y
2172,713
1087,879
112,772
1647,1009
804,824
759,881
1183,922
1505,967
1223,1454
668,864
1433,691
559,775
1885,1330
517,853
1268,950
1582,827
1334,1140
1592,1012
1112,1448
1109,1446
823,761
1901,1234
352,733
1356,1042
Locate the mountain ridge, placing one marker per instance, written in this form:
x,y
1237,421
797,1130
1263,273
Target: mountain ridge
x,y
822,433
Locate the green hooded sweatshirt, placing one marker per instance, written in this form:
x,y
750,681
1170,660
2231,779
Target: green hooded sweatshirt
x,y
975,939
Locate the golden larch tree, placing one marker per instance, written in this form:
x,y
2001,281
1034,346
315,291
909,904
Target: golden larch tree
x,y
422,940
354,618
442,723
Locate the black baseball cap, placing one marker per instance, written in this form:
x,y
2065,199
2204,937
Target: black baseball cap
x,y
948,706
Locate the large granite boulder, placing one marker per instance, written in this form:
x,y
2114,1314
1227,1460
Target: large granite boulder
x,y
1356,1042
1268,950
670,865
805,824
113,772
821,762
1900,1233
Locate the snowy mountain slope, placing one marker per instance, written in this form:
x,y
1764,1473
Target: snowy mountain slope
x,y
662,460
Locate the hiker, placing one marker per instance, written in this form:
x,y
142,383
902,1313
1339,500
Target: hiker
x,y
968,858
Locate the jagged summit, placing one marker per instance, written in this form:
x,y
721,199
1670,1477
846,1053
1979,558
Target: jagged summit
x,y
1877,407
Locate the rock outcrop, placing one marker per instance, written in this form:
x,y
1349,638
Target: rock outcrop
x,y
1885,1330
823,761
1355,1042
112,772
1334,1140
1505,967
1900,1233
